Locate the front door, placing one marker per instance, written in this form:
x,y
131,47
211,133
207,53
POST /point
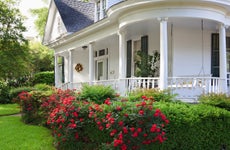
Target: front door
x,y
102,69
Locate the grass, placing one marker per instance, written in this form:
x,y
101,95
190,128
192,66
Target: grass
x,y
8,109
15,135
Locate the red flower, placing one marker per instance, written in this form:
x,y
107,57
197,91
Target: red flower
x,y
139,130
108,115
72,125
125,130
143,97
118,108
76,135
123,147
135,134
107,101
98,123
117,142
141,112
75,114
153,128
108,125
132,129
126,115
114,131
120,123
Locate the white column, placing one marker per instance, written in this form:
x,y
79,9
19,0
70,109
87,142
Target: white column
x,y
122,63
122,55
70,63
223,58
56,68
91,64
163,54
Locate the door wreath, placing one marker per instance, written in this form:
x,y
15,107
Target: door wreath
x,y
78,67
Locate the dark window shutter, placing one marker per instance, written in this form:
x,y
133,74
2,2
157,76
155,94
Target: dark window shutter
x,y
63,70
144,44
144,58
215,55
129,58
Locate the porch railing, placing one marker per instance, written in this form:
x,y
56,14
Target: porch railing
x,y
184,87
193,87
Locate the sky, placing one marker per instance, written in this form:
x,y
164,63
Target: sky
x,y
24,7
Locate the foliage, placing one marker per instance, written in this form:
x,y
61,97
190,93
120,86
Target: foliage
x,y
97,93
218,100
43,87
147,65
40,22
15,135
13,94
13,45
158,95
4,93
19,82
9,109
195,126
41,57
46,77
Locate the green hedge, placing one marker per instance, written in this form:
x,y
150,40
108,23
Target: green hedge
x,y
44,77
97,93
157,94
195,127
217,100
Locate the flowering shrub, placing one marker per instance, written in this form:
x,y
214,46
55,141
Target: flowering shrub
x,y
29,107
81,124
134,127
69,120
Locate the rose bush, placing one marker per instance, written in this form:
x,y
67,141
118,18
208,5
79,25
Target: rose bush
x,y
77,123
121,125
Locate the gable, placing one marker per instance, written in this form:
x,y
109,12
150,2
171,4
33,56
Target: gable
x,y
54,25
67,17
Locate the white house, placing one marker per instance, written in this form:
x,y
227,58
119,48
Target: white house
x,y
97,42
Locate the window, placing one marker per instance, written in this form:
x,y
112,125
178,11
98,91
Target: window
x,y
98,10
104,7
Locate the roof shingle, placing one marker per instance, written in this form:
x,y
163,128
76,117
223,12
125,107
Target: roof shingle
x,y
75,14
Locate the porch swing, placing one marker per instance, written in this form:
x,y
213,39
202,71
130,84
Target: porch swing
x,y
201,74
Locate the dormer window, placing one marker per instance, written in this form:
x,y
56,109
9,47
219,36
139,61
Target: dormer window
x,y
100,7
98,10
104,7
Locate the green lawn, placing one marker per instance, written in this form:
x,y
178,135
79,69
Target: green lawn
x,y
7,109
15,135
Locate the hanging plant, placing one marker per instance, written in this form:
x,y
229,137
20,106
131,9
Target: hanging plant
x,y
147,65
79,67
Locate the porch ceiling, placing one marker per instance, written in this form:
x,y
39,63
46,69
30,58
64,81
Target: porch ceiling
x,y
145,27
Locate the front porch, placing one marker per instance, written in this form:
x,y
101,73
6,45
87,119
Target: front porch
x,y
194,57
186,88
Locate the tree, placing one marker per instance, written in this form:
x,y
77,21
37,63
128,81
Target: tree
x,y
13,46
40,22
41,57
